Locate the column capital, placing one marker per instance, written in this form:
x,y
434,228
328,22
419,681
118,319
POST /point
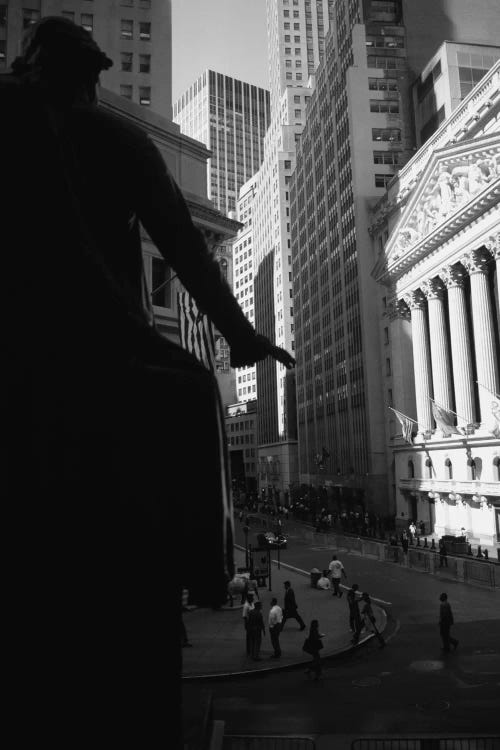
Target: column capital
x,y
415,300
476,261
397,308
453,275
493,245
433,288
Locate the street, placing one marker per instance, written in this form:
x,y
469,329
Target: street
x,y
410,687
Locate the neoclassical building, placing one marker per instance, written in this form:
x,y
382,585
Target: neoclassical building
x,y
437,235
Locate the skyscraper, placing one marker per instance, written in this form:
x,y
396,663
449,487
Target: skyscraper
x,y
135,34
296,32
231,118
359,131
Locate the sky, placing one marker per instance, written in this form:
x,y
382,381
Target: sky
x,y
228,36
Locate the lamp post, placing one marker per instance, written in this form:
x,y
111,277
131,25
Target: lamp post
x,y
246,529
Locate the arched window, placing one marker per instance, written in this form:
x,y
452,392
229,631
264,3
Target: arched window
x,y
471,469
411,469
449,468
223,267
496,470
428,464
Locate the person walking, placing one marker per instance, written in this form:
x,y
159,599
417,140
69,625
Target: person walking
x,y
313,645
369,618
290,608
256,630
248,606
274,622
337,570
445,623
405,542
355,622
443,554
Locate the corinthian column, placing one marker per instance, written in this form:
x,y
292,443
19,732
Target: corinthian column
x,y
440,357
493,246
454,277
476,264
421,359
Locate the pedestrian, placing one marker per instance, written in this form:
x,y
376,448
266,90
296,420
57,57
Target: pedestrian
x,y
185,643
421,527
323,582
405,542
355,623
248,606
255,629
445,623
290,608
313,645
443,554
337,570
413,530
274,622
369,618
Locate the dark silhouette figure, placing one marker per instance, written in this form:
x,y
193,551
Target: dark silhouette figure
x,y
443,554
256,630
290,607
369,618
355,623
445,623
98,407
313,645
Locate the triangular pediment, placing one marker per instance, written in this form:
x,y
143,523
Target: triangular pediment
x,y
452,181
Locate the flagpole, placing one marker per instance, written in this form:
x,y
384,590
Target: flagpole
x,y
487,389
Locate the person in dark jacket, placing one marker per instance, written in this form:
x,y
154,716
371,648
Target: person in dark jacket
x,y
313,645
443,554
256,629
445,623
100,408
290,608
355,623
368,616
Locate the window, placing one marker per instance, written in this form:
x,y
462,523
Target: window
x,y
30,17
298,76
287,37
389,396
144,63
386,63
296,39
428,466
384,105
449,468
69,14
386,335
432,124
127,28
382,180
145,95
287,164
288,63
386,157
383,84
386,134
298,114
127,58
126,91
2,52
161,295
288,76
471,469
411,469
144,30
387,366
87,21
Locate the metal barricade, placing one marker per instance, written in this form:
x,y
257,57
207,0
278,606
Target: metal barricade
x,y
254,742
419,559
479,572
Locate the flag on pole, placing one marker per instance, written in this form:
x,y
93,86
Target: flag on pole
x,y
406,423
493,423
196,330
445,419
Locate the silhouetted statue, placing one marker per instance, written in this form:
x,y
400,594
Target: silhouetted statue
x,y
106,422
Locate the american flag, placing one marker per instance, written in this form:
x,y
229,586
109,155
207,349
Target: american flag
x,y
407,425
196,330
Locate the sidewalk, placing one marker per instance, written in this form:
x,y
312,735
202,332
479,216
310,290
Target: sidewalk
x,y
218,636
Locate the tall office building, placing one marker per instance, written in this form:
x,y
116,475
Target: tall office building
x,y
359,131
135,34
296,31
231,118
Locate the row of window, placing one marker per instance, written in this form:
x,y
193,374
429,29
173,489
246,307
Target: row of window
x,y
127,29
127,59
248,424
127,91
474,469
238,440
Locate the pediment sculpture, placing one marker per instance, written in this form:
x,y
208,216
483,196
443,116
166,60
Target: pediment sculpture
x,y
453,183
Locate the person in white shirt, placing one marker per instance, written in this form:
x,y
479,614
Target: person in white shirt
x,y
275,620
323,582
247,607
337,570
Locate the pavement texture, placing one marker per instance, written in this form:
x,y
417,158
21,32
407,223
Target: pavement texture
x,y
218,636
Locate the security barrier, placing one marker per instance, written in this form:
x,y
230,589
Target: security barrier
x,y
250,742
428,743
